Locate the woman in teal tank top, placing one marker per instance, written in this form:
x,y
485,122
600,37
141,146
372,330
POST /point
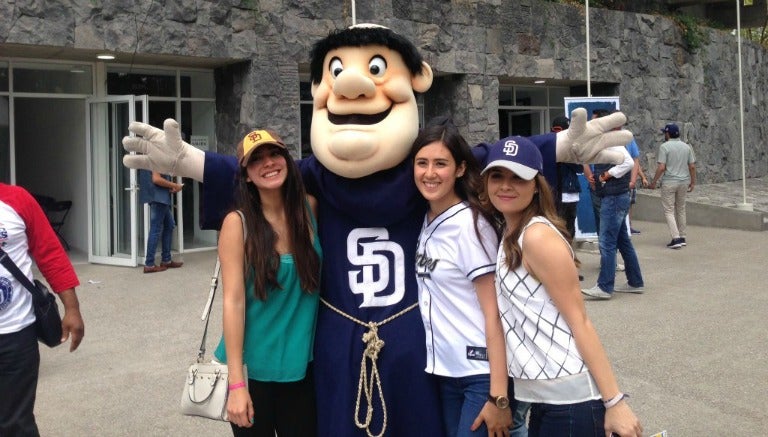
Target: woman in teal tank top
x,y
270,263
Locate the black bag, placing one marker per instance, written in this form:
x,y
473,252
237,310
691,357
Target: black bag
x,y
47,317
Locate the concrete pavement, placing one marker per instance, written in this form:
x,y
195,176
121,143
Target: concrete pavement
x,y
715,205
691,351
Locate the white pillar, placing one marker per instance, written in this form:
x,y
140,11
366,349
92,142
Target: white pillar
x,y
589,81
743,205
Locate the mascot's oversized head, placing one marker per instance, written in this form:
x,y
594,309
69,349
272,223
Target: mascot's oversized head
x,y
365,116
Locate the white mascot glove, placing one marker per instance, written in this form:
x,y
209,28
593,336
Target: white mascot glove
x,y
588,142
163,151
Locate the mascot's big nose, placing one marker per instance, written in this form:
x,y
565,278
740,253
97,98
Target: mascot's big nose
x,y
352,85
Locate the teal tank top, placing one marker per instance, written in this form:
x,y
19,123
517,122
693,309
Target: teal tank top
x,y
279,331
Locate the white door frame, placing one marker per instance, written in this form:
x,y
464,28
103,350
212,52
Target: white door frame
x,y
108,233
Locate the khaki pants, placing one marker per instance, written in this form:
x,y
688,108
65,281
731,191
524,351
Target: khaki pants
x,y
673,203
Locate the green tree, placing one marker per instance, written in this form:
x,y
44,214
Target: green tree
x,y
758,34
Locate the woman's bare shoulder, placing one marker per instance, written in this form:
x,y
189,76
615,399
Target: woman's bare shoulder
x,y
312,200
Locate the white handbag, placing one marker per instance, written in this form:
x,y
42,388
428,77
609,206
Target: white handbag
x,y
206,391
206,388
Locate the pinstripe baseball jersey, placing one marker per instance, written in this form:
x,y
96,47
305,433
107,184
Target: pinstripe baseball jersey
x,y
449,257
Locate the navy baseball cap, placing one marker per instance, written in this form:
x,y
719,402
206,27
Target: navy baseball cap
x,y
518,155
672,130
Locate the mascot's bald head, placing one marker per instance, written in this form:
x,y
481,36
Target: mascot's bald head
x,y
364,81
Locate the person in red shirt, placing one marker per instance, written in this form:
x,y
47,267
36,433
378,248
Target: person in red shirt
x,y
27,237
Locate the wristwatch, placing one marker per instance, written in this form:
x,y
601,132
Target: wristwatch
x,y
500,401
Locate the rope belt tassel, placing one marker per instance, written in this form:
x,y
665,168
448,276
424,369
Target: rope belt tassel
x,y
367,383
373,345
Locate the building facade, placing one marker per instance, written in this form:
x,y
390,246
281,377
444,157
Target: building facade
x,y
224,67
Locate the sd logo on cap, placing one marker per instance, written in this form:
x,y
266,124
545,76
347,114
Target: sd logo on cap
x,y
253,141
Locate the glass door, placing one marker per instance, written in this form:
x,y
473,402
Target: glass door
x,y
112,187
523,122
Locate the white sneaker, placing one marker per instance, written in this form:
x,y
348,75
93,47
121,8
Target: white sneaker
x,y
626,288
595,292
620,267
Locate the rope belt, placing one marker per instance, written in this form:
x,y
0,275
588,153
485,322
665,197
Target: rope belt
x,y
365,384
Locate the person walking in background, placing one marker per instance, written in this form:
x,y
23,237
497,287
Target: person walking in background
x,y
677,171
156,189
568,188
455,262
637,171
271,282
589,174
611,186
553,351
567,192
27,237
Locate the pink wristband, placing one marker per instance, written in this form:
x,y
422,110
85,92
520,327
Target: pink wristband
x,y
236,385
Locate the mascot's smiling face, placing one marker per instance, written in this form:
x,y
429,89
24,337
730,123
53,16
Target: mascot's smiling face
x,y
365,115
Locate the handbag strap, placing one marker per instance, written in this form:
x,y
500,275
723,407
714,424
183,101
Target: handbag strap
x,y
207,309
9,265
212,293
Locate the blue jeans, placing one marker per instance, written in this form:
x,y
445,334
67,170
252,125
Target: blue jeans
x,y
585,419
462,399
613,236
160,224
596,209
519,429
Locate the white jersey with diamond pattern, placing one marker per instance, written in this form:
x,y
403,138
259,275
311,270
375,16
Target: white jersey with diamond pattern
x,y
540,344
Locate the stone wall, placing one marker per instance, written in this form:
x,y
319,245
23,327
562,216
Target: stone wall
x,y
474,47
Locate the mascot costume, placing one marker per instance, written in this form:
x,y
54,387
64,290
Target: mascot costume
x,y
370,349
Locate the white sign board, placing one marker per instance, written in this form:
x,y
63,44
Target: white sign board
x,y
199,141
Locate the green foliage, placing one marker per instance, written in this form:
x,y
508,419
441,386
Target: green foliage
x,y
758,35
693,34
692,28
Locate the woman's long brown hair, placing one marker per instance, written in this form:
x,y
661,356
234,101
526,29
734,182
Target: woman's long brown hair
x,y
543,204
467,186
261,257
